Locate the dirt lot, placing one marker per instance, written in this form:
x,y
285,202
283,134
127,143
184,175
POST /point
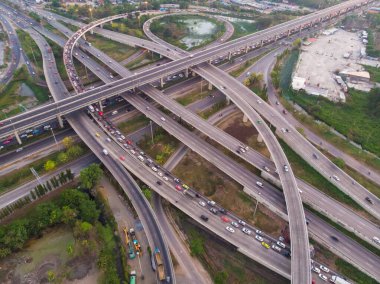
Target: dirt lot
x,y
322,58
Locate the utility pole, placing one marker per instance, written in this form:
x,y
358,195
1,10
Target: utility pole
x,y
55,139
36,176
151,131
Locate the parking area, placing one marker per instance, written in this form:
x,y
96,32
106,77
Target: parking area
x,y
326,55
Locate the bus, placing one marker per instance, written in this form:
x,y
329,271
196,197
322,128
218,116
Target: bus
x,y
132,279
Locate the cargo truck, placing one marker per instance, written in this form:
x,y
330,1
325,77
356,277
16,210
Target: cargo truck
x,y
159,264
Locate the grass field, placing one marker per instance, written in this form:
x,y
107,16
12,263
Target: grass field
x,y
142,61
192,97
31,49
133,124
374,73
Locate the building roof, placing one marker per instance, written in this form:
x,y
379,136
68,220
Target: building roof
x,y
298,83
361,74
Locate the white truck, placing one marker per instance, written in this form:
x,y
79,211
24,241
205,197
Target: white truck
x,y
338,280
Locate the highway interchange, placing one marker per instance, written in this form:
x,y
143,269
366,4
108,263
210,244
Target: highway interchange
x,y
203,69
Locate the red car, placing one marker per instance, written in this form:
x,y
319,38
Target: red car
x,y
225,219
122,158
100,113
178,187
129,142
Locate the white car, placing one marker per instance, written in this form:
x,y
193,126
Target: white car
x,y
336,178
202,203
259,238
154,169
246,231
323,277
286,169
166,178
229,229
241,222
258,101
133,152
160,174
259,184
316,270
108,139
276,248
19,150
259,232
376,240
163,118
280,244
324,268
236,225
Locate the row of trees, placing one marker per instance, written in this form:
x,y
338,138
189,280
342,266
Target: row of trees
x,y
39,191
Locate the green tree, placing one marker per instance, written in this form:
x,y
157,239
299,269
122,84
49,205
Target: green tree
x,y
50,276
49,165
147,192
68,215
68,142
91,175
62,158
74,151
297,43
339,162
221,277
82,229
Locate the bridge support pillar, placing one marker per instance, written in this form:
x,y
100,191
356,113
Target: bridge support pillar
x,y
60,121
245,118
275,38
17,137
229,55
261,43
300,29
246,49
259,138
84,37
161,56
101,25
187,73
92,31
228,100
100,105
162,82
288,33
209,86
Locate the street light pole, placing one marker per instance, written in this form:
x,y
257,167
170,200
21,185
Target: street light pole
x,y
55,139
138,257
254,212
151,131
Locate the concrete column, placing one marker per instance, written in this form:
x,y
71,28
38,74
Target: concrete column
x,y
101,25
246,49
84,36
275,38
229,55
209,86
17,137
259,138
245,118
92,31
60,121
100,105
300,29
162,82
288,33
261,43
111,22
228,100
160,56
187,73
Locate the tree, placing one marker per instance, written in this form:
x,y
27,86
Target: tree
x,y
221,277
75,151
62,158
147,193
90,176
50,276
68,215
297,43
49,165
247,82
82,229
68,142
56,3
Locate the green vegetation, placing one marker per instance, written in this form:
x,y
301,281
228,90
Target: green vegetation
x,y
31,49
114,49
143,60
35,16
10,97
131,26
196,242
344,231
241,69
163,147
353,273
304,171
175,27
57,52
192,97
212,110
90,176
242,28
371,45
19,176
133,124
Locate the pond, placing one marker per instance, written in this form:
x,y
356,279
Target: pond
x,y
200,30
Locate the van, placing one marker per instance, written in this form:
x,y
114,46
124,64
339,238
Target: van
x,y
105,152
115,112
91,108
259,184
281,244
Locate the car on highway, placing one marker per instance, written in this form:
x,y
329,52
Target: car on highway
x,y
229,229
276,248
19,149
259,232
108,139
202,203
97,134
225,219
105,152
165,178
316,269
324,268
185,186
246,231
376,240
335,239
369,200
236,225
204,218
323,277
159,173
241,222
280,244
259,184
266,169
213,210
211,202
286,169
336,178
154,169
159,182
264,244
178,187
259,238
163,118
